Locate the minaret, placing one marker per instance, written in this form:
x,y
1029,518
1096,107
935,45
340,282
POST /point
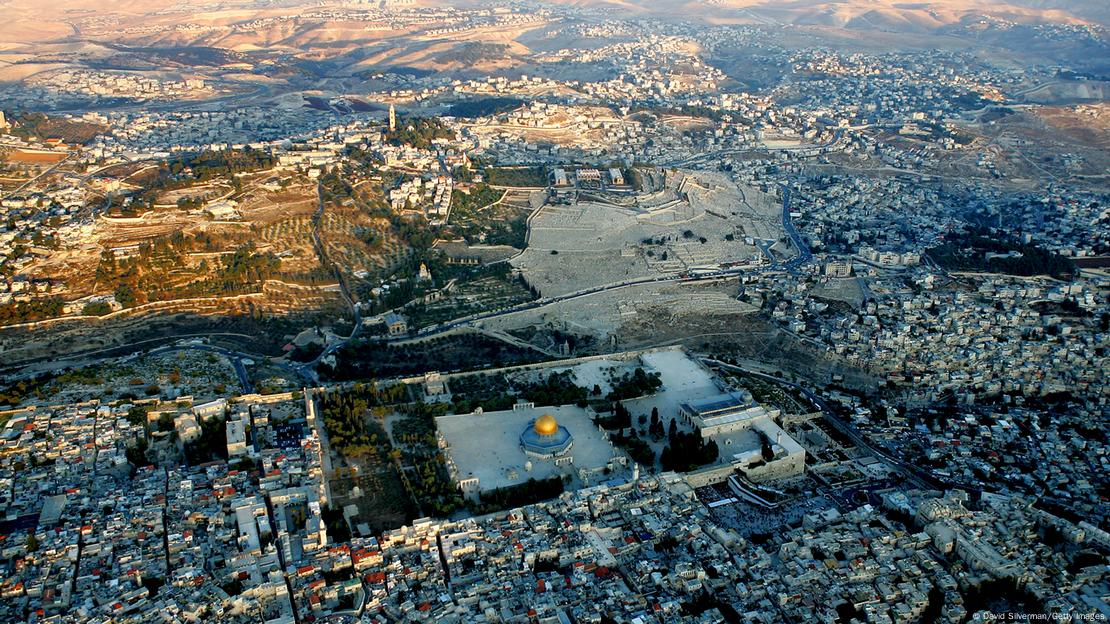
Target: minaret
x,y
392,119
3,121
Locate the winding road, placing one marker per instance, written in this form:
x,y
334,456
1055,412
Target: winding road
x,y
308,372
308,369
235,357
915,474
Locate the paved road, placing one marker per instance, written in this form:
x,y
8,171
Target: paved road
x,y
804,256
131,349
914,473
717,156
236,360
308,369
48,171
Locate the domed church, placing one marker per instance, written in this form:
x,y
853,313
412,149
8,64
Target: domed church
x,y
545,438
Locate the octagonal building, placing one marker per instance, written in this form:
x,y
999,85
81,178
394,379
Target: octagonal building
x,y
545,438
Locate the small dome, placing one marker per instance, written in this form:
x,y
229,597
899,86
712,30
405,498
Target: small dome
x,y
546,425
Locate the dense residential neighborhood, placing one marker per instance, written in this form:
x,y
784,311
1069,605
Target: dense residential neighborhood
x,y
555,312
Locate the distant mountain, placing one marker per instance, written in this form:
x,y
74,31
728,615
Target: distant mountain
x,y
893,15
29,21
1097,11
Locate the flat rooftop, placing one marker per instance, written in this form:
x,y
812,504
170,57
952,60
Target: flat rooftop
x,y
742,414
488,446
52,509
710,407
749,439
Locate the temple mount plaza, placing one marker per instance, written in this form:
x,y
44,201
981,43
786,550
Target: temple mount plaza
x,y
489,450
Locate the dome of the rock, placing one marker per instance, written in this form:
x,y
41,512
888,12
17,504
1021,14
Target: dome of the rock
x,y
546,425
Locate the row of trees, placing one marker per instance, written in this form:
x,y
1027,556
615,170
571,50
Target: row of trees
x,y
517,176
531,491
145,277
365,359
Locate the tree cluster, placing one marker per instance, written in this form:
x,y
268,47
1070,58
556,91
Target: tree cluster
x,y
22,389
517,176
619,419
636,447
635,384
345,414
36,309
484,107
687,451
556,389
419,132
363,359
145,277
212,443
96,308
967,251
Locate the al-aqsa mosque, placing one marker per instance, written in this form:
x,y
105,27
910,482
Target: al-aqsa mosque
x,y
545,438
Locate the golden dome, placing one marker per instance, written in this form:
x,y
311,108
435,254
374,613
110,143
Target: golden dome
x,y
546,425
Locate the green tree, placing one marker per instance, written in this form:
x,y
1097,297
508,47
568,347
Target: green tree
x,y
96,308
